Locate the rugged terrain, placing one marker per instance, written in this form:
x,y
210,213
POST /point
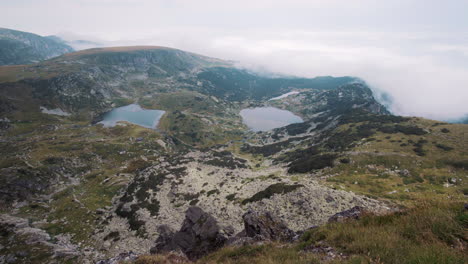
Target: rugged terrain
x,y
17,47
74,191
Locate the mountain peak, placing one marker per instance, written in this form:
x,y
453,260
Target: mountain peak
x,y
18,47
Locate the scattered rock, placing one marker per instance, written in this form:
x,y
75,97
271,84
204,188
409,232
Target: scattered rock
x,y
353,213
18,227
404,173
127,256
324,251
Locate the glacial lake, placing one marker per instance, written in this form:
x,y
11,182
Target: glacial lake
x,y
267,118
133,114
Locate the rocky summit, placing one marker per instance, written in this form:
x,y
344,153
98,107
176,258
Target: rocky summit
x,y
352,183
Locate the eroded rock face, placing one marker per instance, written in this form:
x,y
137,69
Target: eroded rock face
x,y
266,226
198,236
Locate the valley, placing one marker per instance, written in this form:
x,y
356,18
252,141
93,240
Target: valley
x,y
74,190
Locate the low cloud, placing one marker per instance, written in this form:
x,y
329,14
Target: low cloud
x,y
415,52
422,75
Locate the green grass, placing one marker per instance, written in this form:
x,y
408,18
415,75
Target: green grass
x,y
373,166
99,180
428,233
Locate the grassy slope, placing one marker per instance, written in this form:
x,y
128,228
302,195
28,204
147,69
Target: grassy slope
x,y
99,179
432,233
196,119
432,228
374,165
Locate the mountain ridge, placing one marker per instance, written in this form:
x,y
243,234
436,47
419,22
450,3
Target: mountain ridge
x,y
18,47
74,191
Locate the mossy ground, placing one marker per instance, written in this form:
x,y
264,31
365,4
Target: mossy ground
x,y
389,167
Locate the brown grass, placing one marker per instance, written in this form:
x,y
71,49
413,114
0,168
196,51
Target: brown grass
x,y
434,232
114,49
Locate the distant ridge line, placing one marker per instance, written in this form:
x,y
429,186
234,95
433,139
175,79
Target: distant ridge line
x,y
116,49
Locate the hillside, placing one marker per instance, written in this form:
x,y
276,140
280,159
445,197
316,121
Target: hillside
x,y
74,191
17,47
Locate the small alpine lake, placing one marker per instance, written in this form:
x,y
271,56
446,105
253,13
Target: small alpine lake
x,y
134,114
267,118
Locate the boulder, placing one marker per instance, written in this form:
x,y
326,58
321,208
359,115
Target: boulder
x,y
353,213
164,241
266,226
198,236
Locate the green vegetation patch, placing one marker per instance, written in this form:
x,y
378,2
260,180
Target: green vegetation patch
x,y
277,188
428,233
459,164
311,163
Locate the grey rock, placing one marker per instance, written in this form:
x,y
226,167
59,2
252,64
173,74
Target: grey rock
x,y
266,226
122,257
353,213
404,173
198,236
19,227
164,241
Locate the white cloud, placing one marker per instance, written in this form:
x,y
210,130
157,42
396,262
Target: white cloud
x,y
414,50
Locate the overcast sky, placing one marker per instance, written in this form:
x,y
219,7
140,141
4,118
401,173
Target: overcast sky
x,y
414,50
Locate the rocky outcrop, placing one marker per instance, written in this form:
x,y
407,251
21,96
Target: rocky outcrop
x,y
259,228
164,241
198,236
200,233
19,230
266,226
17,47
353,213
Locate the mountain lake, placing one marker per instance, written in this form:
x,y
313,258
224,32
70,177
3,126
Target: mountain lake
x,y
134,114
267,118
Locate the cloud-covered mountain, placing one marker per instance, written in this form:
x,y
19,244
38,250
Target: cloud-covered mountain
x,y
17,47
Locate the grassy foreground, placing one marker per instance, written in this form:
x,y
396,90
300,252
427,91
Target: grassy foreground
x,y
431,232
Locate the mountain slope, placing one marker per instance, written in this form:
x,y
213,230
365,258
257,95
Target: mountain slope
x,y
136,72
72,190
89,83
17,47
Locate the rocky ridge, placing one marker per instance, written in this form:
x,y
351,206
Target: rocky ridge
x,y
17,47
